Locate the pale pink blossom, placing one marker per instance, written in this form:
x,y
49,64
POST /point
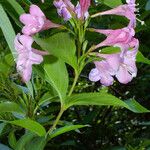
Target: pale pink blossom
x,y
81,9
120,65
128,10
27,56
35,21
105,70
64,8
127,69
67,10
116,37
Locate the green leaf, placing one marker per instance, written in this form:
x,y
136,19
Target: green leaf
x,y
30,141
14,10
9,59
30,125
12,139
16,6
57,75
112,3
37,143
30,88
141,58
65,129
110,50
2,126
24,140
7,30
135,106
60,45
10,107
104,99
47,98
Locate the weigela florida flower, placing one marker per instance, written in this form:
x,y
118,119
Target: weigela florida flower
x,y
35,21
121,65
67,10
105,69
64,8
27,56
128,10
119,37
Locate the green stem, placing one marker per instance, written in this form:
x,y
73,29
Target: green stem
x,y
74,83
96,15
57,120
62,107
79,49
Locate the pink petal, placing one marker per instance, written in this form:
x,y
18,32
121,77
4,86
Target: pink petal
x,y
29,30
27,19
94,75
36,11
113,60
27,72
105,72
69,4
40,52
26,41
85,4
35,58
123,75
48,24
106,79
18,46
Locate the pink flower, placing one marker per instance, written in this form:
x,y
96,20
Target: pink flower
x,y
27,56
35,21
67,10
82,9
120,65
105,69
118,37
64,8
127,69
128,10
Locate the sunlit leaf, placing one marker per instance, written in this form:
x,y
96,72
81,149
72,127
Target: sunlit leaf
x,y
60,45
10,107
7,30
112,3
141,58
65,129
30,125
104,99
56,73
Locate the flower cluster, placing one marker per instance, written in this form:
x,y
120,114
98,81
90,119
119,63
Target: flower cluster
x,y
34,22
121,65
67,10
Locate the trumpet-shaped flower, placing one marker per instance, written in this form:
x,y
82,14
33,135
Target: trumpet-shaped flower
x,y
64,8
127,69
81,9
35,21
120,65
67,10
119,37
128,10
105,69
27,56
